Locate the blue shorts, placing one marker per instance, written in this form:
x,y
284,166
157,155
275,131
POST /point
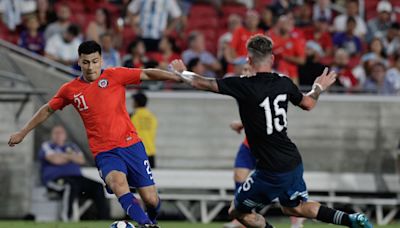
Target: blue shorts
x,y
130,160
262,187
244,158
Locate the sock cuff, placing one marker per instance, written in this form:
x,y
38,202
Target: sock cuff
x,y
127,196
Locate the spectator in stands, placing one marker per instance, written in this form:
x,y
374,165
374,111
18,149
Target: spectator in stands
x,y
12,12
320,34
377,82
224,51
242,34
62,23
45,14
240,67
62,48
61,173
313,66
348,39
129,30
266,19
341,66
146,125
289,47
196,66
378,26
391,41
281,7
364,68
322,9
168,52
101,25
31,38
111,57
340,22
197,50
153,19
375,47
137,55
303,16
393,74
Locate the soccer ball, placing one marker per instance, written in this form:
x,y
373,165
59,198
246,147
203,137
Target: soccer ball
x,y
122,224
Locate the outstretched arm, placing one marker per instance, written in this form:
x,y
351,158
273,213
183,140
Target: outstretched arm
x,y
320,84
157,74
193,79
40,116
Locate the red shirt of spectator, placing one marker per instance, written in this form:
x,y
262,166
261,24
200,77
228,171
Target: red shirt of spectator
x,y
239,40
292,46
320,34
101,105
242,34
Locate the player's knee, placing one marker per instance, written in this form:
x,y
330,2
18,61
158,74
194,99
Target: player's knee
x,y
116,181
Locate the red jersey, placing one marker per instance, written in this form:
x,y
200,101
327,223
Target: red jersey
x,y
239,40
101,105
294,45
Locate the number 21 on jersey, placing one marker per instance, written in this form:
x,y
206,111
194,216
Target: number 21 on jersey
x,y
272,116
80,102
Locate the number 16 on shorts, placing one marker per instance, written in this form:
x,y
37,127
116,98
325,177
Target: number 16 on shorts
x,y
247,184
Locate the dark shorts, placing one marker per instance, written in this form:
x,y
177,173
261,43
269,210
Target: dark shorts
x,y
130,160
262,187
244,158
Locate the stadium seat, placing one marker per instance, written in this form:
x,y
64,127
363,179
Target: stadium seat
x,y
202,10
228,9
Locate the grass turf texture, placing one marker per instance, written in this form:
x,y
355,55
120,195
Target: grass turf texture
x,y
21,224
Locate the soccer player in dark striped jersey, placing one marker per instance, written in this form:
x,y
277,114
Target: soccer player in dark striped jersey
x,y
263,102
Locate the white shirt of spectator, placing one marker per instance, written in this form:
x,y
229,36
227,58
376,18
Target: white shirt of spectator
x,y
341,21
392,46
57,47
393,76
154,15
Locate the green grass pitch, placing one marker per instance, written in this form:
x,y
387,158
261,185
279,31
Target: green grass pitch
x,y
21,224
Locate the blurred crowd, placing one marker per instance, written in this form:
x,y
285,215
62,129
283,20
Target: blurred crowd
x,y
359,39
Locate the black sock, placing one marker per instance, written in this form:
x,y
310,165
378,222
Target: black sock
x,y
329,215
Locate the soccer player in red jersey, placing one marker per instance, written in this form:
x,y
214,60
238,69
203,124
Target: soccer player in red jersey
x,y
99,97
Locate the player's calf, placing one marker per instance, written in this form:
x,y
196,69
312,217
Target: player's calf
x,y
151,200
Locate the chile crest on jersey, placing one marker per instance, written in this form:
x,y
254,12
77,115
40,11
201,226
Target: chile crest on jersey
x,y
103,83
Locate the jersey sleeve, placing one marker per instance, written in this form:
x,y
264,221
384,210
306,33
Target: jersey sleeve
x,y
60,100
295,96
125,76
232,86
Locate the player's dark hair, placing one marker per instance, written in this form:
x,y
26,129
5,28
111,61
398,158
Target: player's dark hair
x,y
89,47
140,98
259,47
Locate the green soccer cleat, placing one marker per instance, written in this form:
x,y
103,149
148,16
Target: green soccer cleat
x,y
359,220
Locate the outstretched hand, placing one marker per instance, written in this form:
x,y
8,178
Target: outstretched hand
x,y
177,65
15,139
326,79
